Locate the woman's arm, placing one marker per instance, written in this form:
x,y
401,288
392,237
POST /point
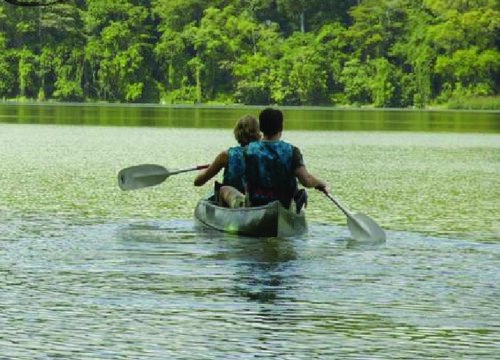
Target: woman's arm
x,y
214,168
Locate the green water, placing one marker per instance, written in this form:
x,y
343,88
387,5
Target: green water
x,y
90,272
224,117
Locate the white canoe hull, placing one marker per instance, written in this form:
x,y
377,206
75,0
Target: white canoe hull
x,y
262,221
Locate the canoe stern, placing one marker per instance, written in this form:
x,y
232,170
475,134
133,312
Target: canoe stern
x,y
264,221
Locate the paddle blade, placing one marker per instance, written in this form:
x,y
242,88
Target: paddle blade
x,y
365,229
141,176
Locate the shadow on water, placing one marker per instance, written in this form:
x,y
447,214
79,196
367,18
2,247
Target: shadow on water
x,y
263,265
260,264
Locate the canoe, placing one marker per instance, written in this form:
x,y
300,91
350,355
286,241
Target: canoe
x,y
270,220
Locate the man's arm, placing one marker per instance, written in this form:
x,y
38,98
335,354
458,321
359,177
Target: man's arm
x,y
300,171
308,180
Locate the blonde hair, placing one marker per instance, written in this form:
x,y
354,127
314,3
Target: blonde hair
x,y
247,130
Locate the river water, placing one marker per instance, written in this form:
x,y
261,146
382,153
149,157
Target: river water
x,y
90,272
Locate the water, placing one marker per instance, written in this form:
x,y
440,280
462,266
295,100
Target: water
x,y
163,290
90,272
298,118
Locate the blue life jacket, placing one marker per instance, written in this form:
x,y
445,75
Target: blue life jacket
x,y
269,173
234,173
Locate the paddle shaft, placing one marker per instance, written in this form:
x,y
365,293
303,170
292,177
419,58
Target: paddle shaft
x,y
194,168
324,191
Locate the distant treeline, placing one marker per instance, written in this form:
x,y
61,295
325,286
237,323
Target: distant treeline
x,y
383,53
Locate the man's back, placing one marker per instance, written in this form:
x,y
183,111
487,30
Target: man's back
x,y
270,172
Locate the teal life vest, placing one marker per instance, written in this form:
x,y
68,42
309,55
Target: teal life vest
x,y
269,173
234,173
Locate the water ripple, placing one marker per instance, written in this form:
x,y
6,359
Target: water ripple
x,y
89,272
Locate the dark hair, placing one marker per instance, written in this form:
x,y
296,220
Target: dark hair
x,y
271,121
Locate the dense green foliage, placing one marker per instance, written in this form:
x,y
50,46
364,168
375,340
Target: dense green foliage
x,y
386,53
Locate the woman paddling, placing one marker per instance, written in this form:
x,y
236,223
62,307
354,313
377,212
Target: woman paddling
x,y
231,192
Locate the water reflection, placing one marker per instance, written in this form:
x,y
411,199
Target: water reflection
x,y
263,265
260,267
298,118
151,289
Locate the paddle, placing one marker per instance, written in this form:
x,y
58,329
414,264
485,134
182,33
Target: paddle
x,y
141,176
362,227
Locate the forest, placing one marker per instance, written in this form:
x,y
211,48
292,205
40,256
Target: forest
x,y
377,53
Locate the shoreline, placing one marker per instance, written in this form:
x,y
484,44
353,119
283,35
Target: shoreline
x,y
432,108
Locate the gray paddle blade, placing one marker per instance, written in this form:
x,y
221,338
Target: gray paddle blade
x,y
140,176
365,229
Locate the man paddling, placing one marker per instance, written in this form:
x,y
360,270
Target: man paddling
x,y
273,166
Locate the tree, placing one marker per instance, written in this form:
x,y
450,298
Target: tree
x,y
7,73
251,69
61,56
377,23
215,50
356,80
377,52
26,72
301,76
415,56
310,15
118,50
333,49
465,38
471,71
381,84
174,77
